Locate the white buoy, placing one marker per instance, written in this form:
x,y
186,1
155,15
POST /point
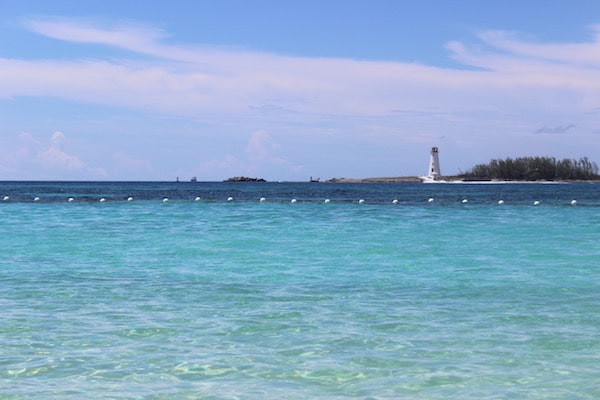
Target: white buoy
x,y
536,203
102,200
197,198
327,201
230,198
130,198
262,199
395,201
361,201
500,202
6,198
430,200
36,199
165,200
465,201
573,202
70,200
293,201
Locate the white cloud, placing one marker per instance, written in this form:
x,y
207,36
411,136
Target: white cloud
x,y
27,141
27,138
57,138
124,35
32,158
201,80
53,157
567,53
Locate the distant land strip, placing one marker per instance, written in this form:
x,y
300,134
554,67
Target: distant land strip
x,y
458,179
376,180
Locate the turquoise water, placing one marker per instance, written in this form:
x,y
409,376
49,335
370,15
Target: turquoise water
x,y
223,300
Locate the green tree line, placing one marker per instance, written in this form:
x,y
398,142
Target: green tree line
x,y
535,168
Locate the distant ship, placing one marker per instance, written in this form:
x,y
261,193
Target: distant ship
x,y
315,180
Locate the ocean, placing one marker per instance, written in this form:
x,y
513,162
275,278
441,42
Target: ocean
x,y
328,291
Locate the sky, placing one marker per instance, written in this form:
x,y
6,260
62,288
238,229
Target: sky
x,y
286,90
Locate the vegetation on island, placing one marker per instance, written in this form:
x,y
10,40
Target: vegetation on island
x,y
534,169
244,179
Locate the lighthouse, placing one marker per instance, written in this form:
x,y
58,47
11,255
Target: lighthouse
x,y
434,165
433,174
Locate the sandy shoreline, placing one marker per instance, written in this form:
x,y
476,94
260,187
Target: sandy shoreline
x,y
453,179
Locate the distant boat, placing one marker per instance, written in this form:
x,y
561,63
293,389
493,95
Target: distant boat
x,y
194,179
315,180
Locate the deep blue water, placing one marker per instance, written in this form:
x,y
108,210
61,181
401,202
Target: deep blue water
x,y
245,299
405,193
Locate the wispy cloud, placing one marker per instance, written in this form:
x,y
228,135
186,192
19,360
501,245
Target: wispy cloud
x,y
517,61
126,35
556,129
566,53
192,80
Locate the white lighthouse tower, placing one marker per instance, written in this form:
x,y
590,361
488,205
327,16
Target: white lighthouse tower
x,y
433,174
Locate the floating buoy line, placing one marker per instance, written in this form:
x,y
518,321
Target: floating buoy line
x,y
230,199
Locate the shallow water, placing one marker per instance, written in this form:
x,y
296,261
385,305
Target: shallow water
x,y
243,299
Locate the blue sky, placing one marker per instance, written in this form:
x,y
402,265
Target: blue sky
x,y
284,90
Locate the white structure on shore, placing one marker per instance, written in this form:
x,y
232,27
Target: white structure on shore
x,y
433,174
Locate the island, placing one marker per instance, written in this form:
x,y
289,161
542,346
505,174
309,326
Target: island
x,y
534,169
244,179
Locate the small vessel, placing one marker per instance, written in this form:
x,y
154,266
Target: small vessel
x,y
315,180
194,179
